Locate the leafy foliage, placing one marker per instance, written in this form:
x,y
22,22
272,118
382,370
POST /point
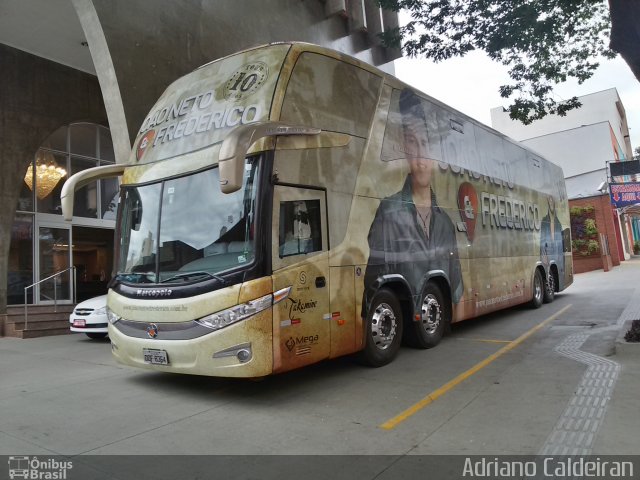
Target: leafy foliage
x,y
584,231
544,42
633,334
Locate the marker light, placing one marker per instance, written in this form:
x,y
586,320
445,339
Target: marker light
x,y
281,294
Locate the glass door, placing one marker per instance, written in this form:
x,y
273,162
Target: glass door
x,y
53,255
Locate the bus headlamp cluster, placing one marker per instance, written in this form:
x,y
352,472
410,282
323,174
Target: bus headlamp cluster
x,y
232,315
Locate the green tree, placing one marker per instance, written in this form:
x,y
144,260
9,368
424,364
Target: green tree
x,y
543,42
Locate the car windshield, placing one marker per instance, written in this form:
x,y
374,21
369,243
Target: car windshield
x,y
185,229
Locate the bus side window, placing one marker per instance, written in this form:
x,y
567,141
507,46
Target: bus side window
x,y
300,230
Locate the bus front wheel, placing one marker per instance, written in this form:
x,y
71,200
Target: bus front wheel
x,y
384,329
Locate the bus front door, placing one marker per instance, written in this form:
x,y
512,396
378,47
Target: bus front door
x,y
301,323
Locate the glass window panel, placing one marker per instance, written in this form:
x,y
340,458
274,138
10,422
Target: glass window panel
x,y
25,201
109,198
20,260
83,139
48,186
54,258
93,259
106,145
57,140
300,227
86,199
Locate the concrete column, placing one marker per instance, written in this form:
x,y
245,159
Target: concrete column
x,y
106,76
139,47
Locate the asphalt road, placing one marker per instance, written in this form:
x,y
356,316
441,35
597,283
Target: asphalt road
x,y
496,385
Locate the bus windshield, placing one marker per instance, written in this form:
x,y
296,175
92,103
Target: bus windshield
x,y
185,229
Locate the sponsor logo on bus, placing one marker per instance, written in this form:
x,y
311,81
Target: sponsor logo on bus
x,y
304,340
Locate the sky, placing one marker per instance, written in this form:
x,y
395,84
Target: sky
x,y
470,84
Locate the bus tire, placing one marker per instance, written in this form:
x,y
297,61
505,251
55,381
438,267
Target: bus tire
x,y
384,329
549,288
538,290
429,330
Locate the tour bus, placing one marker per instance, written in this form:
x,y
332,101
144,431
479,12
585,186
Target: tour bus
x,y
289,204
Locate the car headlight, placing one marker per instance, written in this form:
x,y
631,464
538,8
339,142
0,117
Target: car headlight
x,y
112,317
100,311
232,315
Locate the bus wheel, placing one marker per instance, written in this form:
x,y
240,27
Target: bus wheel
x,y
549,288
538,290
428,331
384,329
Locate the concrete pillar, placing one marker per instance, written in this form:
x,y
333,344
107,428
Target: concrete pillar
x,y
139,47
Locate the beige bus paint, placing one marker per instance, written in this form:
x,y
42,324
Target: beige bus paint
x,y
203,107
343,313
196,356
297,48
301,324
190,162
323,140
159,310
255,289
355,175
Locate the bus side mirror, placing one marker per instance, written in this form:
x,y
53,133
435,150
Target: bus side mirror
x,y
81,179
235,147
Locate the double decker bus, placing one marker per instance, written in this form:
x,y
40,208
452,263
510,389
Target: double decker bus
x,y
290,204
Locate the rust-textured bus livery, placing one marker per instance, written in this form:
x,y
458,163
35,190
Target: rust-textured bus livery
x,y
289,204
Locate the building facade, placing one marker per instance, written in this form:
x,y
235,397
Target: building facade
x,y
77,78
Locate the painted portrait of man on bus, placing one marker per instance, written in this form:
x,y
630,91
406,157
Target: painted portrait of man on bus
x,y
552,240
410,234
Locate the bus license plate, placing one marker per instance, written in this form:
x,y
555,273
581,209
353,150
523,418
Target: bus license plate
x,y
155,357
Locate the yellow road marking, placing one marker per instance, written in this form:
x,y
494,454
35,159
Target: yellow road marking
x,y
395,421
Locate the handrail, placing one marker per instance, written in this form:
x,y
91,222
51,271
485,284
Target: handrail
x,y
55,291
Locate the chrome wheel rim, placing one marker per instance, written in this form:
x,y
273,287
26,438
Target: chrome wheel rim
x,y
383,326
537,287
431,314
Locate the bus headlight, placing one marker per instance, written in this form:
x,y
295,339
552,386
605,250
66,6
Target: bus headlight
x,y
232,315
112,317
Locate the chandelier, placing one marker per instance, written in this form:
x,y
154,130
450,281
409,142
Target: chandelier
x,y
48,173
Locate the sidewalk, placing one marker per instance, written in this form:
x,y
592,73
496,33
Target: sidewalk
x,y
620,429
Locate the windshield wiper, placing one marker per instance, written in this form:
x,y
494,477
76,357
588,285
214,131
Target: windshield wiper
x,y
187,275
136,277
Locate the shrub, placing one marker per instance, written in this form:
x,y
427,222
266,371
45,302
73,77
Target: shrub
x,y
633,334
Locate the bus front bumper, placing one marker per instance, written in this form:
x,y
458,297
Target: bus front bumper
x,y
240,350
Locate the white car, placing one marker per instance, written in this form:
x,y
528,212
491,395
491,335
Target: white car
x,y
90,317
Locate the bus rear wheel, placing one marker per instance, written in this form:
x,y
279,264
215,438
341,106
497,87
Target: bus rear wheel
x,y
434,317
549,288
538,290
384,329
